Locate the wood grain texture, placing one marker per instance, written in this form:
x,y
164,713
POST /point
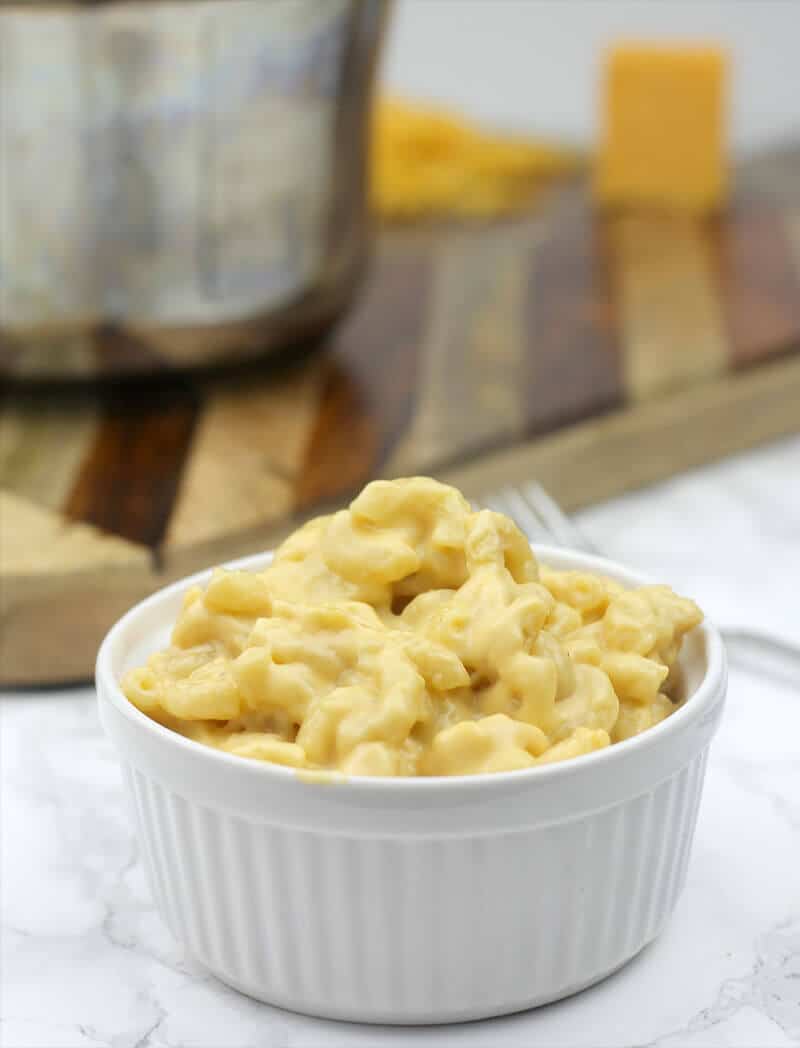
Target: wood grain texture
x,y
758,282
33,606
37,541
625,449
792,228
42,447
471,384
247,452
371,381
574,366
127,482
670,318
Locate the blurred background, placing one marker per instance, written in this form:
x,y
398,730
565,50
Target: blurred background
x,y
254,253
533,65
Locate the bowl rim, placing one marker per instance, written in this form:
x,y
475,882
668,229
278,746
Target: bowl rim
x,y
708,692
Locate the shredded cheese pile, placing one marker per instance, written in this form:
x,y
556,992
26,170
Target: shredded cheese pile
x,y
426,162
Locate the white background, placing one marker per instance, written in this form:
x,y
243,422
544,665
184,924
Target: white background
x,y
532,65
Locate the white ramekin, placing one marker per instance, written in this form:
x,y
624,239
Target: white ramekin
x,y
413,900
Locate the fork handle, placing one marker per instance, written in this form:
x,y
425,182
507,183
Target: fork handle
x,y
783,655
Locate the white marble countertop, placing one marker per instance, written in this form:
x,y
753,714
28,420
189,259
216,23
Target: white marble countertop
x,y
86,961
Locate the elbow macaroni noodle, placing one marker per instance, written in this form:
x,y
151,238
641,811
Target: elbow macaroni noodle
x,y
409,635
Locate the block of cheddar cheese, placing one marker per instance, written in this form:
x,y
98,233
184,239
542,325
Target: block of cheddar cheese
x,y
664,135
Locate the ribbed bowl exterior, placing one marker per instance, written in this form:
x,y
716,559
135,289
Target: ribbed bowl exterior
x,y
417,900
416,929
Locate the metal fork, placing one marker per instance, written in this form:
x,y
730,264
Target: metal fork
x,y
542,519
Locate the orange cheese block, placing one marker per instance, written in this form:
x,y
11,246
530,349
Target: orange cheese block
x,y
664,134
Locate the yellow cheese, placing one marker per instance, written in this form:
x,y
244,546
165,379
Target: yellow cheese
x,y
664,128
428,162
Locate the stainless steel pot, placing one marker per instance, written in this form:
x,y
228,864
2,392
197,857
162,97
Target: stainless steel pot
x,y
181,183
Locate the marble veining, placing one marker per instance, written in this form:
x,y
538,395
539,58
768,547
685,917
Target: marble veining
x,y
770,988
86,960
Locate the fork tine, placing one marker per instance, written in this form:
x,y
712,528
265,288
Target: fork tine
x,y
495,501
509,502
563,529
539,516
525,513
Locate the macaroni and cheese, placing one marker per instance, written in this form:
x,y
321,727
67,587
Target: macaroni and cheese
x,y
409,635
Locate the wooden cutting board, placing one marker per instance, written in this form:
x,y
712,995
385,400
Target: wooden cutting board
x,y
595,353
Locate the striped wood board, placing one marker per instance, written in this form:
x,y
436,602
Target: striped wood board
x,y
595,353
